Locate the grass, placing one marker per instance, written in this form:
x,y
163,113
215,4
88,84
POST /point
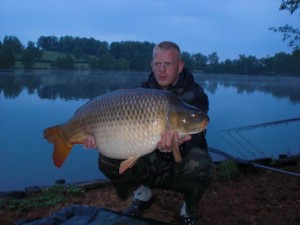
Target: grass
x,y
227,170
51,197
49,57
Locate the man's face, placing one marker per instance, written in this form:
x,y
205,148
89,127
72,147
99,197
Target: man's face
x,y
166,67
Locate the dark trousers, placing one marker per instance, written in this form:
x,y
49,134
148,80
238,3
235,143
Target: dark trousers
x,y
190,177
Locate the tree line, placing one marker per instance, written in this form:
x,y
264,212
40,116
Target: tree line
x,y
134,55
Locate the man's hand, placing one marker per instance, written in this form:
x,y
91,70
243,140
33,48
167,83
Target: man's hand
x,y
89,142
170,142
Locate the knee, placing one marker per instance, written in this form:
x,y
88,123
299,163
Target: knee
x,y
109,167
196,166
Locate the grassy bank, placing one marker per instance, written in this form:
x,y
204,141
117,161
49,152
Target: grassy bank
x,y
49,58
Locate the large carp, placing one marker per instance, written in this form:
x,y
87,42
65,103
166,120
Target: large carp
x,y
126,124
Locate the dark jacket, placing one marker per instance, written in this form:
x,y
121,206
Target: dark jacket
x,y
186,89
190,92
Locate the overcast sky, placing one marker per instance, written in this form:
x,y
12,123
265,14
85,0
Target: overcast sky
x,y
228,27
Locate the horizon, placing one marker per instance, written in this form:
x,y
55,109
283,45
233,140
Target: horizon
x,y
221,60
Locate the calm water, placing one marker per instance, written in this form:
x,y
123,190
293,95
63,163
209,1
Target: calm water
x,y
31,102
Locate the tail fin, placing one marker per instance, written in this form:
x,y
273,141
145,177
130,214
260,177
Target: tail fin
x,y
61,146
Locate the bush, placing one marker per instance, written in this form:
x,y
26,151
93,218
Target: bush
x,y
227,170
66,62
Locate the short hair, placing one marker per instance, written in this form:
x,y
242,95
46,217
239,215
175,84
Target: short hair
x,y
167,45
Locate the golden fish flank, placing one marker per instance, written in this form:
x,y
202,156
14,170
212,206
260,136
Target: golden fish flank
x,y
125,124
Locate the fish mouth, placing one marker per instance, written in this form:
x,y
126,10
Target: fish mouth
x,y
199,129
203,125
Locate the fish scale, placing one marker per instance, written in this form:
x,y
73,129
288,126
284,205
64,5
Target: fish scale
x,y
134,127
125,124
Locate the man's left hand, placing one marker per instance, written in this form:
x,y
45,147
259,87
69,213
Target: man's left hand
x,y
89,142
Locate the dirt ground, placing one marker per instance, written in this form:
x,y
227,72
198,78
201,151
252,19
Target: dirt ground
x,y
255,197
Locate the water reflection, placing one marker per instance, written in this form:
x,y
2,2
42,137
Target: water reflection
x,y
67,86
278,86
87,85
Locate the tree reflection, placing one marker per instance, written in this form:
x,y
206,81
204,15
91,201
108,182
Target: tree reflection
x,y
11,86
70,86
279,87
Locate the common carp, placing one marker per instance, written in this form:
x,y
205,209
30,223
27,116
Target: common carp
x,y
126,124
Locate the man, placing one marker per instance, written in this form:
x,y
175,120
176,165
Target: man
x,y
192,174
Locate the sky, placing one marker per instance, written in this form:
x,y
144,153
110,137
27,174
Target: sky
x,y
228,27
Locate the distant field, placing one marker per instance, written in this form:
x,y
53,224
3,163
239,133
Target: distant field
x,y
49,57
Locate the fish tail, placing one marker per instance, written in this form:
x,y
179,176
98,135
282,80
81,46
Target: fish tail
x,y
62,147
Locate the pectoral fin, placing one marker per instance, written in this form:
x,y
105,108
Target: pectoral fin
x,y
128,163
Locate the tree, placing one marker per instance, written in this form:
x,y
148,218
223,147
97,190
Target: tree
x,y
140,61
48,43
106,61
200,61
290,5
246,65
188,60
65,44
93,63
7,58
35,51
65,62
282,63
213,58
77,52
226,66
213,63
14,43
10,49
290,33
296,63
27,59
121,64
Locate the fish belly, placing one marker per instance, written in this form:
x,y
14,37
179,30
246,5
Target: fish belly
x,y
121,145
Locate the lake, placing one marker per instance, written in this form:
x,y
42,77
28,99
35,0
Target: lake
x,y
251,117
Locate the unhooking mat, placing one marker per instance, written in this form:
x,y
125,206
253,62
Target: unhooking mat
x,y
89,215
